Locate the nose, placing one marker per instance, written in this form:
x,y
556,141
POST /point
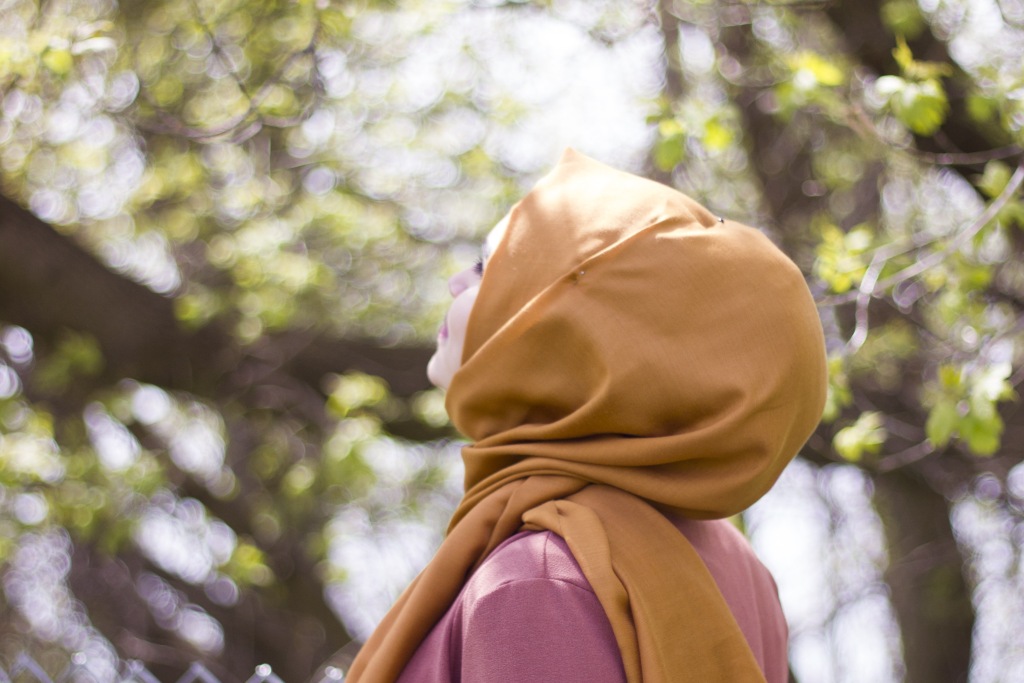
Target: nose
x,y
461,281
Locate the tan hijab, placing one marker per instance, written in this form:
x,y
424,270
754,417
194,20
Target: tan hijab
x,y
627,353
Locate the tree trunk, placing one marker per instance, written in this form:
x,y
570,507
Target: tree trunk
x,y
928,590
926,575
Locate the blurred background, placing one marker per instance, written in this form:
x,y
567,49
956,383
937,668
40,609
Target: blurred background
x,y
225,228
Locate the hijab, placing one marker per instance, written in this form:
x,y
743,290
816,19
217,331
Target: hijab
x,y
629,356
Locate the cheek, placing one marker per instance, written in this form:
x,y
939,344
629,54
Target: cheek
x,y
458,316
448,358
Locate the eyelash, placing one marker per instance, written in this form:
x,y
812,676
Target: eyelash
x,y
478,267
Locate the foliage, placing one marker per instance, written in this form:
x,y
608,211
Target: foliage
x,y
217,428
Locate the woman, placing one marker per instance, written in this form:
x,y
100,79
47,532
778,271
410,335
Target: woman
x,y
628,368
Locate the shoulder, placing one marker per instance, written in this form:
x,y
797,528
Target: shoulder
x,y
529,615
500,626
714,539
527,559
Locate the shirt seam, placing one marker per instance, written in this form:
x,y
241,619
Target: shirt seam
x,y
542,579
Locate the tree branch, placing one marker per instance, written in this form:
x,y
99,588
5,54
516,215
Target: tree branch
x,y
49,285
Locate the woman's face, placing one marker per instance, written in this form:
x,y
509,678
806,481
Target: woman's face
x,y
464,287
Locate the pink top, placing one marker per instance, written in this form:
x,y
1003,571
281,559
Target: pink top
x,y
529,615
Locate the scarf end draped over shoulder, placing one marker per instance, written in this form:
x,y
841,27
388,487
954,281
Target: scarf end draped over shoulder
x,y
628,355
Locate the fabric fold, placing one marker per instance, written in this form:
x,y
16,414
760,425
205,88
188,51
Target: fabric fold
x,y
612,534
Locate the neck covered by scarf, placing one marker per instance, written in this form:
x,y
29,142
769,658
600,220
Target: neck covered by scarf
x,y
628,355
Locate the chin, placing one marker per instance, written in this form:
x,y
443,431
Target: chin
x,y
437,372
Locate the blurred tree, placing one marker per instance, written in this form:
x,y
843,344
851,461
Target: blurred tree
x,y
224,228
859,125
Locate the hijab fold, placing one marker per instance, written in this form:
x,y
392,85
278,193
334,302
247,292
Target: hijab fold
x,y
629,356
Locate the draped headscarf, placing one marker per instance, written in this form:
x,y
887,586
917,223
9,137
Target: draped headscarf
x,y
628,355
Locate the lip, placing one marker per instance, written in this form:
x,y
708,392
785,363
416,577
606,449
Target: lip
x,y
442,333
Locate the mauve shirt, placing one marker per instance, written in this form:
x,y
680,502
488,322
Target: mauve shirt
x,y
528,614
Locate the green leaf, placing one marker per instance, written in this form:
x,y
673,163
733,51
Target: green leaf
x,y
995,178
811,69
942,422
922,107
982,109
865,436
58,61
840,256
353,391
839,395
950,376
671,128
668,153
248,565
981,427
915,70
974,275
902,54
982,434
903,17
670,147
1012,214
917,99
716,135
